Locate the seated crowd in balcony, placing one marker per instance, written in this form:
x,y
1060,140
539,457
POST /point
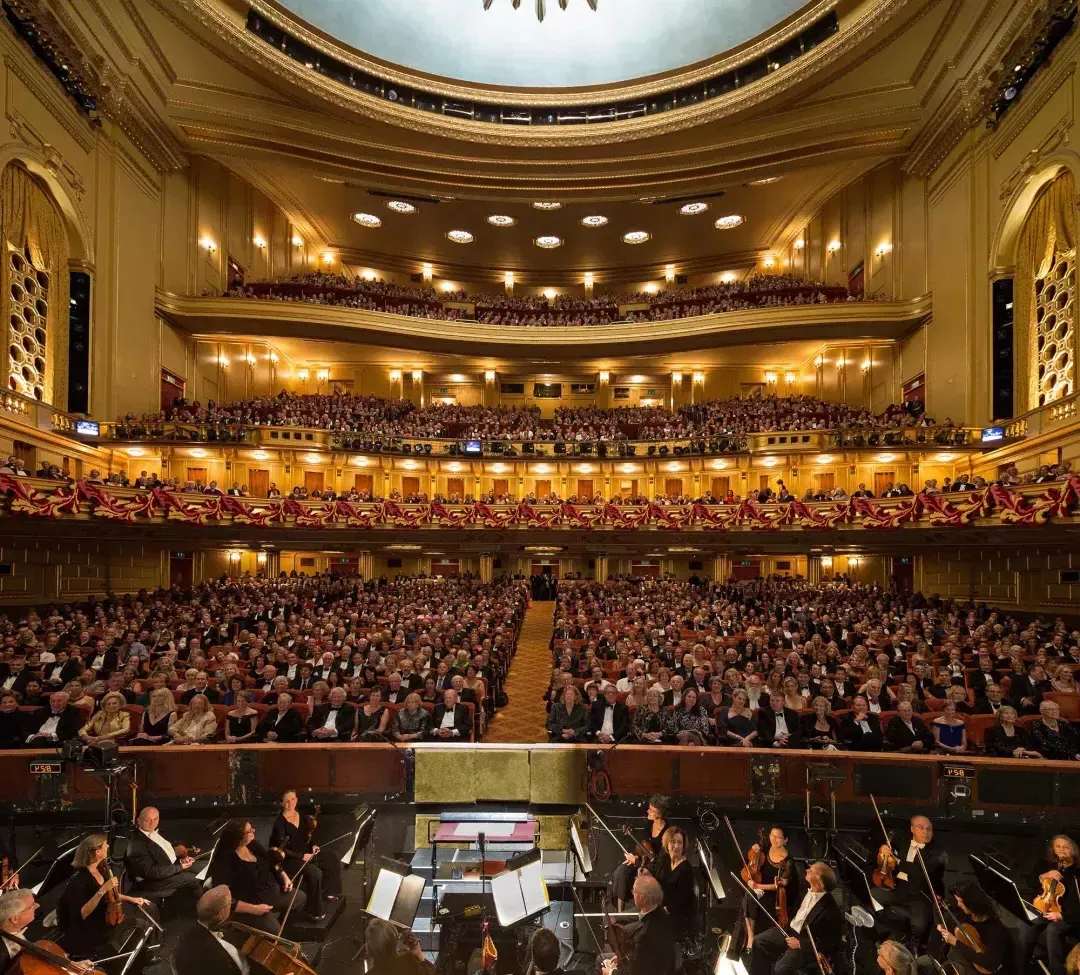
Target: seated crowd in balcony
x,y
355,291
777,663
290,659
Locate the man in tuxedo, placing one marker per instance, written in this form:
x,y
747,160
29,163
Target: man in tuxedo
x,y
202,686
304,680
546,950
266,681
907,909
395,693
52,726
442,676
778,726
450,722
327,664
992,701
776,952
282,724
610,717
152,862
203,948
17,910
15,675
652,937
907,732
334,721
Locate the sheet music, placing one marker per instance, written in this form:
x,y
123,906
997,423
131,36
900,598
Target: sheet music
x,y
384,893
533,888
490,830
509,900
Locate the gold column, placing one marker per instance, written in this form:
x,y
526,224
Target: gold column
x,y
487,568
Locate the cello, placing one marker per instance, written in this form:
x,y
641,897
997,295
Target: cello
x,y
274,953
46,958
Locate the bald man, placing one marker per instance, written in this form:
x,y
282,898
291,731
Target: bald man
x,y
203,948
908,907
652,937
155,868
778,952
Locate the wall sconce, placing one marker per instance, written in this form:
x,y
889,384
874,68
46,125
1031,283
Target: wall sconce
x,y
298,241
259,242
800,244
676,377
866,366
769,260
826,561
769,462
322,375
508,279
417,375
207,243
328,257
834,246
234,556
699,377
489,375
819,361
883,249
550,293
605,376
589,279
198,452
426,271
395,375
770,378
250,359
789,378
261,558
274,358
223,361
669,274
651,288
302,375
728,277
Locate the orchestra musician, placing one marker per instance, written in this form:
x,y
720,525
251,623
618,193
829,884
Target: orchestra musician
x,y
776,874
996,950
153,865
622,881
545,950
83,908
291,835
908,907
204,948
1055,927
384,957
779,952
261,891
651,938
676,878
894,959
17,910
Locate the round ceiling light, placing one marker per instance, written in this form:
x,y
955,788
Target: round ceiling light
x,y
400,206
459,236
636,237
501,220
547,205
367,219
730,222
692,209
596,220
548,243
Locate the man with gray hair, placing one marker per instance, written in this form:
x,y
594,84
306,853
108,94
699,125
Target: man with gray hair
x,y
203,948
651,938
17,910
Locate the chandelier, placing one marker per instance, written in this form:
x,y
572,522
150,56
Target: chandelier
x,y
541,6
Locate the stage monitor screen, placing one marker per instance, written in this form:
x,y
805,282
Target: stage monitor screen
x,y
472,446
87,428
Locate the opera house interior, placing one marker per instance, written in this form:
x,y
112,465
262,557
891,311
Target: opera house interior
x,y
539,486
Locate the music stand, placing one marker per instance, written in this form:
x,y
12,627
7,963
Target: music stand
x,y
854,876
828,776
705,855
1002,889
395,896
520,891
580,849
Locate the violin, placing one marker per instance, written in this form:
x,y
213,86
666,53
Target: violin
x,y
616,938
309,823
1049,901
46,958
114,910
969,934
183,852
886,860
643,849
754,861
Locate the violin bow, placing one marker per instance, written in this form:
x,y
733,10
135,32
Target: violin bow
x,y
607,828
763,908
294,881
881,822
14,873
738,849
933,893
817,954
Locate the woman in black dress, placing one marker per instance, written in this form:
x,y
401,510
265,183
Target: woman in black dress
x,y
1007,739
158,720
735,724
676,876
241,721
289,835
83,908
261,890
776,875
373,718
622,880
820,730
12,724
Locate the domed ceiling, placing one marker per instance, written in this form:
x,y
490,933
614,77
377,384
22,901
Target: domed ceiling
x,y
496,42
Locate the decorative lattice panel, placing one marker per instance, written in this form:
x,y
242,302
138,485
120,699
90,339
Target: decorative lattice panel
x,y
27,330
1055,309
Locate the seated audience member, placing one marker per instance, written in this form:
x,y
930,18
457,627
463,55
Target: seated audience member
x,y
282,723
906,732
736,724
333,721
610,717
111,723
450,721
652,723
241,721
158,719
372,717
569,720
861,730
411,720
1007,739
690,722
820,730
52,726
12,721
778,726
384,957
197,725
1052,737
950,731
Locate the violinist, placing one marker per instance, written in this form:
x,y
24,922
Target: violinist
x,y
545,949
779,952
1054,928
991,948
622,881
204,948
650,940
907,907
676,877
154,865
773,889
385,958
293,835
84,908
894,959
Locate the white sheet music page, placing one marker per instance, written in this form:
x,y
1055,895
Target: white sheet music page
x,y
534,888
384,893
509,902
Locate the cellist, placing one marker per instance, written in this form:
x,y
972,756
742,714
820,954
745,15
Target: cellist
x,y
17,910
1055,926
990,950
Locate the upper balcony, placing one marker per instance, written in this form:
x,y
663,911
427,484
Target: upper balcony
x,y
848,320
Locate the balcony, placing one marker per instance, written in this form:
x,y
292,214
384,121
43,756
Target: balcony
x,y
838,321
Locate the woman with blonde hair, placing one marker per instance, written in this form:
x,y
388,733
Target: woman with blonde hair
x,y
111,723
792,698
198,725
652,724
158,719
189,679
411,722
156,680
569,720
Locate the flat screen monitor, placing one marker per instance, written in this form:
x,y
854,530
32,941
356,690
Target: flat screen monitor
x,y
87,428
472,446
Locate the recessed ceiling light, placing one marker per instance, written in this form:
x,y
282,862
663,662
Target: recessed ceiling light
x,y
766,180
730,222
547,205
690,209
596,220
400,206
548,243
636,237
367,219
459,236
501,220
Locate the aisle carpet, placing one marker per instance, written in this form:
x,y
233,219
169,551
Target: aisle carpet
x,y
522,720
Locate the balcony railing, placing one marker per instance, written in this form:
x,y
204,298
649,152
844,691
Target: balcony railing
x,y
35,414
1044,419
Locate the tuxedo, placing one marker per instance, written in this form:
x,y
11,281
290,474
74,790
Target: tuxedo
x,y
110,660
857,740
908,905
396,697
199,950
21,679
153,873
620,718
652,941
71,720
290,728
345,721
323,673
461,723
766,727
898,738
771,953
301,683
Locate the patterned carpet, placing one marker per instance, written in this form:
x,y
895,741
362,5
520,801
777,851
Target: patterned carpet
x,y
522,720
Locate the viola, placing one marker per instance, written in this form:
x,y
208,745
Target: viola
x,y
886,860
615,937
183,852
309,823
114,909
969,934
643,849
1049,900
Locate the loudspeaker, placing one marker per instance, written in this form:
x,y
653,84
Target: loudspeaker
x,y
1002,351
79,343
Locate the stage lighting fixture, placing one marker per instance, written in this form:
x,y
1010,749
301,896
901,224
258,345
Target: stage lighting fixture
x,y
585,449
652,450
601,450
622,449
631,450
528,448
664,451
418,448
427,448
560,447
